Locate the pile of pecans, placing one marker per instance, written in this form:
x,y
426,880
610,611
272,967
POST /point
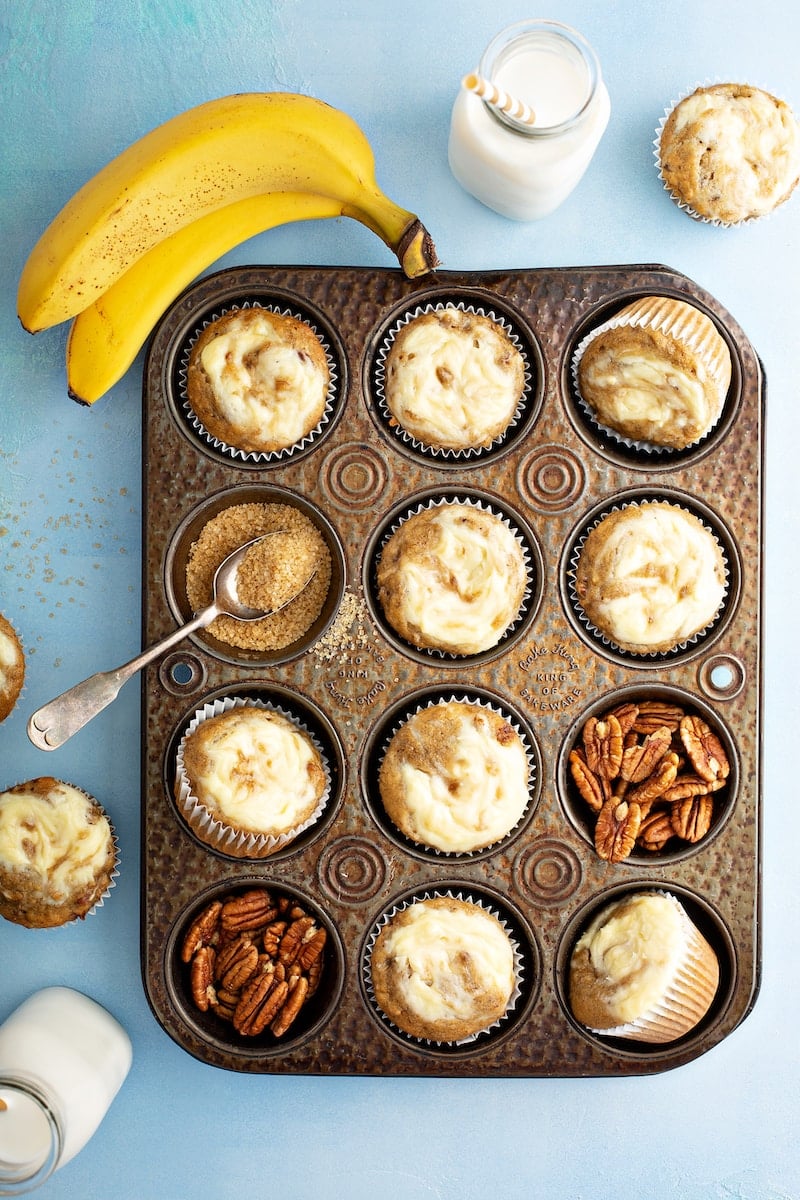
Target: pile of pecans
x,y
648,771
255,959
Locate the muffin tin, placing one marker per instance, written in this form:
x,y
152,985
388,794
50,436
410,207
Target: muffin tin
x,y
352,678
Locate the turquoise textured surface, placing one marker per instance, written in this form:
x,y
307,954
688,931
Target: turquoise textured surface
x,y
81,80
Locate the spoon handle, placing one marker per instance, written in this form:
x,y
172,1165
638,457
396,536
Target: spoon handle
x,y
56,722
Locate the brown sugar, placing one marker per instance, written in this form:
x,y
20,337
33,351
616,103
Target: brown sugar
x,y
301,544
275,570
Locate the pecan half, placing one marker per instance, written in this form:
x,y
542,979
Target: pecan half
x,y
202,978
626,714
617,829
236,964
655,714
691,818
655,830
656,784
202,930
292,940
311,949
602,744
640,760
593,788
297,992
259,1003
248,912
705,750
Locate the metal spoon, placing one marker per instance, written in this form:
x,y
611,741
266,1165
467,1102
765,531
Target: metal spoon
x,y
57,721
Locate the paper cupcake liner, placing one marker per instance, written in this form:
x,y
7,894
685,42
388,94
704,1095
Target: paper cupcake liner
x,y
654,312
468,898
237,843
682,204
434,851
264,457
446,453
482,506
654,655
687,999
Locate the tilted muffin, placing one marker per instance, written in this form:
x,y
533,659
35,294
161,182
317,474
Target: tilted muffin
x,y
12,667
730,152
248,780
453,379
658,372
453,578
642,970
258,380
455,777
443,969
650,576
57,853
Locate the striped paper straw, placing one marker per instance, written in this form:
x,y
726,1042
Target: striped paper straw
x,y
498,99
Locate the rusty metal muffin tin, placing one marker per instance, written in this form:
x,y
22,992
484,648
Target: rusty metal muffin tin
x,y
552,474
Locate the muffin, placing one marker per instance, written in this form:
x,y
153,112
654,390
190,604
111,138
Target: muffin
x,y
657,373
248,779
455,777
12,667
452,578
642,970
650,576
453,379
443,969
57,853
729,153
258,380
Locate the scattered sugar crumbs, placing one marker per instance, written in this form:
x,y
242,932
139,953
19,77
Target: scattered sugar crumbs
x,y
230,529
349,632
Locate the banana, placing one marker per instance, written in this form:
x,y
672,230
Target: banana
x,y
200,161
105,338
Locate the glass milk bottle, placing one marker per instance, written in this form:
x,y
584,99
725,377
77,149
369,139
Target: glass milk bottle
x,y
63,1059
525,168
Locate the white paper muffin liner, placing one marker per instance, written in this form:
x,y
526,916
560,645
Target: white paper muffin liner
x,y
682,204
115,870
468,898
653,312
654,655
435,851
238,843
482,506
686,1000
255,457
445,452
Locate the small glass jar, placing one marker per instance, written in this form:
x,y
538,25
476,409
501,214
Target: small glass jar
x,y
525,171
63,1059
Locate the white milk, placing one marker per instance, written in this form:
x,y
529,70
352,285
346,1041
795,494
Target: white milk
x,y
63,1059
525,172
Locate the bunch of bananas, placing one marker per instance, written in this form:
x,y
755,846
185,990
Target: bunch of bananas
x,y
133,237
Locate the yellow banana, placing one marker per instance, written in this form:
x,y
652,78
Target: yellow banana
x,y
105,338
202,160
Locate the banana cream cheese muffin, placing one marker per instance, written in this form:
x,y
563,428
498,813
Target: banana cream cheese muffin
x,y
455,777
730,152
443,969
453,379
642,970
650,576
258,380
12,667
452,577
248,779
657,373
57,853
